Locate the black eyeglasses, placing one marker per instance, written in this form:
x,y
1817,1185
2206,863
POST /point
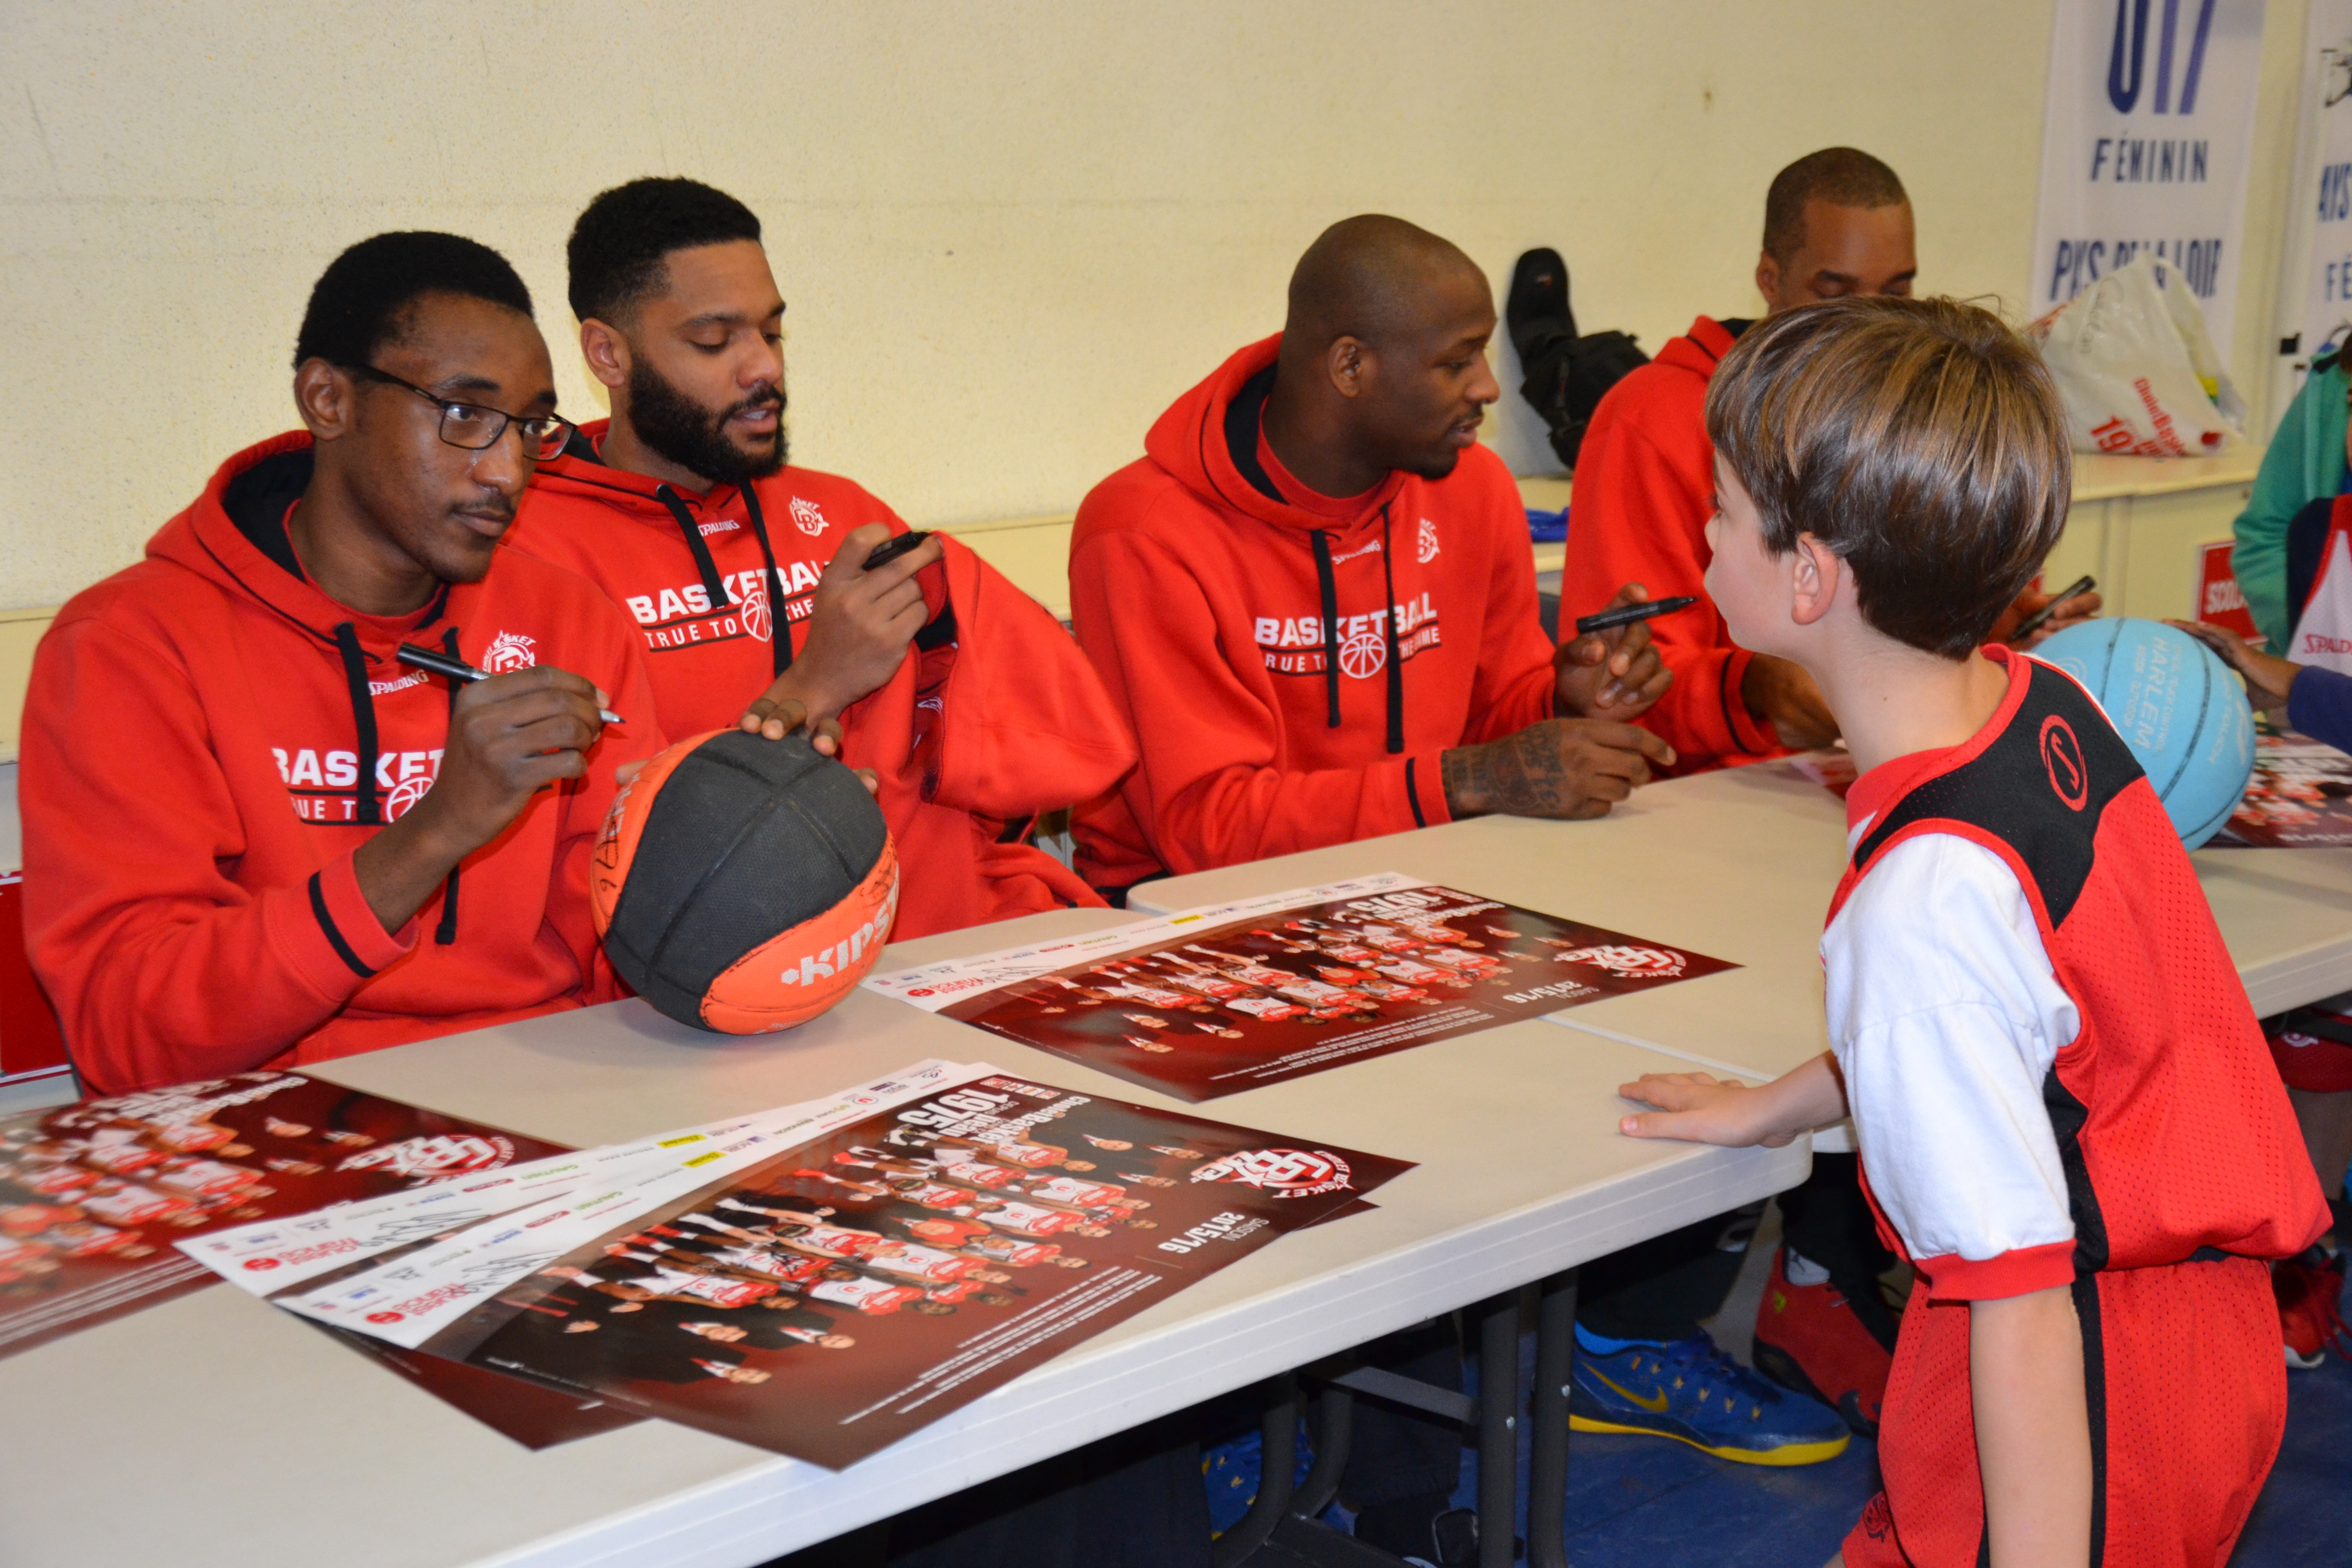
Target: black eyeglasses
x,y
477,428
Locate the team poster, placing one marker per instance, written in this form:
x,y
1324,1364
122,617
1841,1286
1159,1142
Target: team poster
x,y
2299,798
94,1196
1214,1000
834,1297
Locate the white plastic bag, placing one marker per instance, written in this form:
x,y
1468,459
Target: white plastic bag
x,y
2135,369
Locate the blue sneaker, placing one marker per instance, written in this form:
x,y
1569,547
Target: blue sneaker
x,y
1690,1391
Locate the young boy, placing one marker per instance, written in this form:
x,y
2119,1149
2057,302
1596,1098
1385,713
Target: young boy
x,y
2065,1119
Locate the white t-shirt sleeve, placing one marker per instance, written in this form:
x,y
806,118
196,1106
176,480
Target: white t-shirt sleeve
x,y
1944,1015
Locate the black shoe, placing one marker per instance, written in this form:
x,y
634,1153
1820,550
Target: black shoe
x,y
1536,308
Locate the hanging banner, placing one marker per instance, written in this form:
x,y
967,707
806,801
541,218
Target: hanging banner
x,y
2323,291
2146,145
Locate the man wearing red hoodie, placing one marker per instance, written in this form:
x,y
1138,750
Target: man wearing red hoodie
x,y
746,576
1314,598
283,847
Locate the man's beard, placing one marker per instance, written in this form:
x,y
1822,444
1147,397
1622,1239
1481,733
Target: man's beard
x,y
688,435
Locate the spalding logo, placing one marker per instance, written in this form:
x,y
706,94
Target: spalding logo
x,y
2061,757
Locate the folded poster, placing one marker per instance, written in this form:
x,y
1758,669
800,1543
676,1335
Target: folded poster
x,y
826,1299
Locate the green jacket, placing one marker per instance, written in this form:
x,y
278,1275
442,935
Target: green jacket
x,y
2305,463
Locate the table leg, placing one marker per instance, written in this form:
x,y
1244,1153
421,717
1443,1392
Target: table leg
x,y
1547,1480
1278,1466
1498,1429
1335,1427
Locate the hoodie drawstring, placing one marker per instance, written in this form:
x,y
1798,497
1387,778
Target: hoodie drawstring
x,y
446,933
711,586
1325,582
1389,626
1330,621
347,641
371,811
779,645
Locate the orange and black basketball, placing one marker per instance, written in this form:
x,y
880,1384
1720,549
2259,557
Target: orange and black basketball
x,y
744,885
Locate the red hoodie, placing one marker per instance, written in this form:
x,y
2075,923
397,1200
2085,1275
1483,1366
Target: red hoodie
x,y
1644,489
1199,597
993,716
195,783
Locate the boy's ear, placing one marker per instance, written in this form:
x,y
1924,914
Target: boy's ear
x,y
1816,576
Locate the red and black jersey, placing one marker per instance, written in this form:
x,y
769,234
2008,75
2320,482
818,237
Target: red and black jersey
x,y
2169,1117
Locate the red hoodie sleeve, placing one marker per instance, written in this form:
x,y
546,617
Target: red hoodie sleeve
x,y
1026,723
1208,790
1639,515
162,969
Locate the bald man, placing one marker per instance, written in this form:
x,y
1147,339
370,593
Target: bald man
x,y
1313,599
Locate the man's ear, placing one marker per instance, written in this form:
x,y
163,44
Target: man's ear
x,y
606,352
1767,281
327,398
1348,365
1817,575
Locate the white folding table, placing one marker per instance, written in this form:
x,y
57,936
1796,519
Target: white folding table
x,y
217,1432
1740,864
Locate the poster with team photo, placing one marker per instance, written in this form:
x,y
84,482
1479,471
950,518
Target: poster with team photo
x,y
94,1196
2299,798
1214,1001
826,1300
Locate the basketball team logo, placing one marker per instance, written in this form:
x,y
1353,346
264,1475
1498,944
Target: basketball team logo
x,y
508,652
1629,963
404,794
806,517
433,1157
1280,1172
1362,655
1426,550
2062,758
755,614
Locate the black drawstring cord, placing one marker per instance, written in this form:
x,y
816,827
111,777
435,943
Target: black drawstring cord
x,y
703,563
446,933
780,647
1330,621
1396,662
346,640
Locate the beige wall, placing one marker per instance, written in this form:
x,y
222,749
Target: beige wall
x,y
1009,233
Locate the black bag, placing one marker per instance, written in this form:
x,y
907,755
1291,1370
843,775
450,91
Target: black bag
x,y
1566,373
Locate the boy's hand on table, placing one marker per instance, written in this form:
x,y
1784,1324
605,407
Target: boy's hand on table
x,y
1700,1108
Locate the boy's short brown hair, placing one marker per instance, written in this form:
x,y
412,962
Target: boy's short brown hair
x,y
1920,439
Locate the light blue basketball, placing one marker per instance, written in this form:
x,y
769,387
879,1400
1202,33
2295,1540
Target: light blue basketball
x,y
2177,706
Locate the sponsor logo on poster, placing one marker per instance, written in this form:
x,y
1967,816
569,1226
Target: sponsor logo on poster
x,y
1284,1172
1629,963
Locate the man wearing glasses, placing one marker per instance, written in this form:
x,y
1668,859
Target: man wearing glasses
x,y
252,836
